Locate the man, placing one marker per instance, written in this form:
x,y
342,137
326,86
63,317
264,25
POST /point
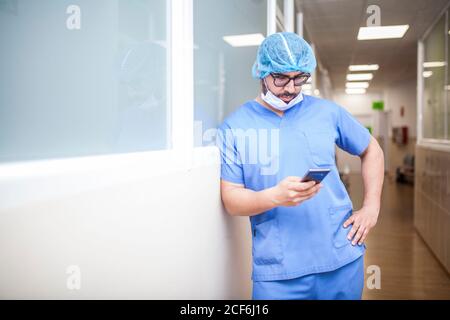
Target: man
x,y
307,242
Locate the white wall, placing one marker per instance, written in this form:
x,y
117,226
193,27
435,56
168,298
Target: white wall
x,y
404,94
359,106
158,235
358,103
395,96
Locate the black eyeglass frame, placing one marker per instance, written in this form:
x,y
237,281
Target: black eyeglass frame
x,y
276,76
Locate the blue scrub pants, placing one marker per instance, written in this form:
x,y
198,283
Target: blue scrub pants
x,y
345,283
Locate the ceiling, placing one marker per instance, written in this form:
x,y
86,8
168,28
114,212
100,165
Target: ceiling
x,y
332,25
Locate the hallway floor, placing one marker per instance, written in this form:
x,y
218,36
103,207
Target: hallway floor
x,y
409,270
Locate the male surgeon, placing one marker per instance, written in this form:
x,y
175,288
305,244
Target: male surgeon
x,y
307,241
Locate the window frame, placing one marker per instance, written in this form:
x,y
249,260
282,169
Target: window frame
x,y
436,144
24,181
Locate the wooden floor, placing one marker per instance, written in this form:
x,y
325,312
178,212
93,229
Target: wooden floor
x,y
408,268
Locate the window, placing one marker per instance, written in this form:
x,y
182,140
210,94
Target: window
x,y
222,73
434,66
447,87
82,79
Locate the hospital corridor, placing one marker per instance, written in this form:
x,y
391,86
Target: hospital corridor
x,y
411,270
224,150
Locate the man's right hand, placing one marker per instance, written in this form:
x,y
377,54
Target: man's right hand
x,y
291,191
240,201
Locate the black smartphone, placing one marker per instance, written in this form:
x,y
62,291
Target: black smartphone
x,y
316,175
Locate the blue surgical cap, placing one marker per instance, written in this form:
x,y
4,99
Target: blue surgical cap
x,y
283,52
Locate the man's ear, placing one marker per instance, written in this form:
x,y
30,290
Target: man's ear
x,y
263,86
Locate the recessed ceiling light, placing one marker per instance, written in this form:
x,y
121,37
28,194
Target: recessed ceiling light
x,y
363,67
364,85
434,64
355,91
427,74
359,76
244,40
383,32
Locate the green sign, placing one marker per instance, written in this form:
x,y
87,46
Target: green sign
x,y
378,105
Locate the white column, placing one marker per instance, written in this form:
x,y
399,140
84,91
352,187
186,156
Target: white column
x,y
289,15
271,17
300,24
182,80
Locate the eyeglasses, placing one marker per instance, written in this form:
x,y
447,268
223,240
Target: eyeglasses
x,y
280,80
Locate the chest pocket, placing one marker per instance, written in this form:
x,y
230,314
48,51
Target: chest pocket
x,y
321,146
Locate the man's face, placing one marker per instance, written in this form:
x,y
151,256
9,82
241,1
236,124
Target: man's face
x,y
286,93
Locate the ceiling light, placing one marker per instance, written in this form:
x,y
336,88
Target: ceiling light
x,y
359,76
384,32
434,64
427,74
363,67
244,40
355,91
364,85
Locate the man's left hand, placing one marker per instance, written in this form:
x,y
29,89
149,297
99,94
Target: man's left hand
x,y
362,220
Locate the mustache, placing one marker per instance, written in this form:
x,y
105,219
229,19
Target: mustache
x,y
287,95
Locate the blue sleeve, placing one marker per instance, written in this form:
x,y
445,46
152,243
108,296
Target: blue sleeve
x,y
231,165
352,137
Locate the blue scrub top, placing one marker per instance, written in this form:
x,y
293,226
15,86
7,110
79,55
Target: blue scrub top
x,y
259,149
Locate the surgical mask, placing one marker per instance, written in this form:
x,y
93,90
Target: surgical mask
x,y
279,104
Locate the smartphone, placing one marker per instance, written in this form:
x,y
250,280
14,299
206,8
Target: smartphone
x,y
316,175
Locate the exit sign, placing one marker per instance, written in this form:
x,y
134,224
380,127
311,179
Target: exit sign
x,y
378,105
